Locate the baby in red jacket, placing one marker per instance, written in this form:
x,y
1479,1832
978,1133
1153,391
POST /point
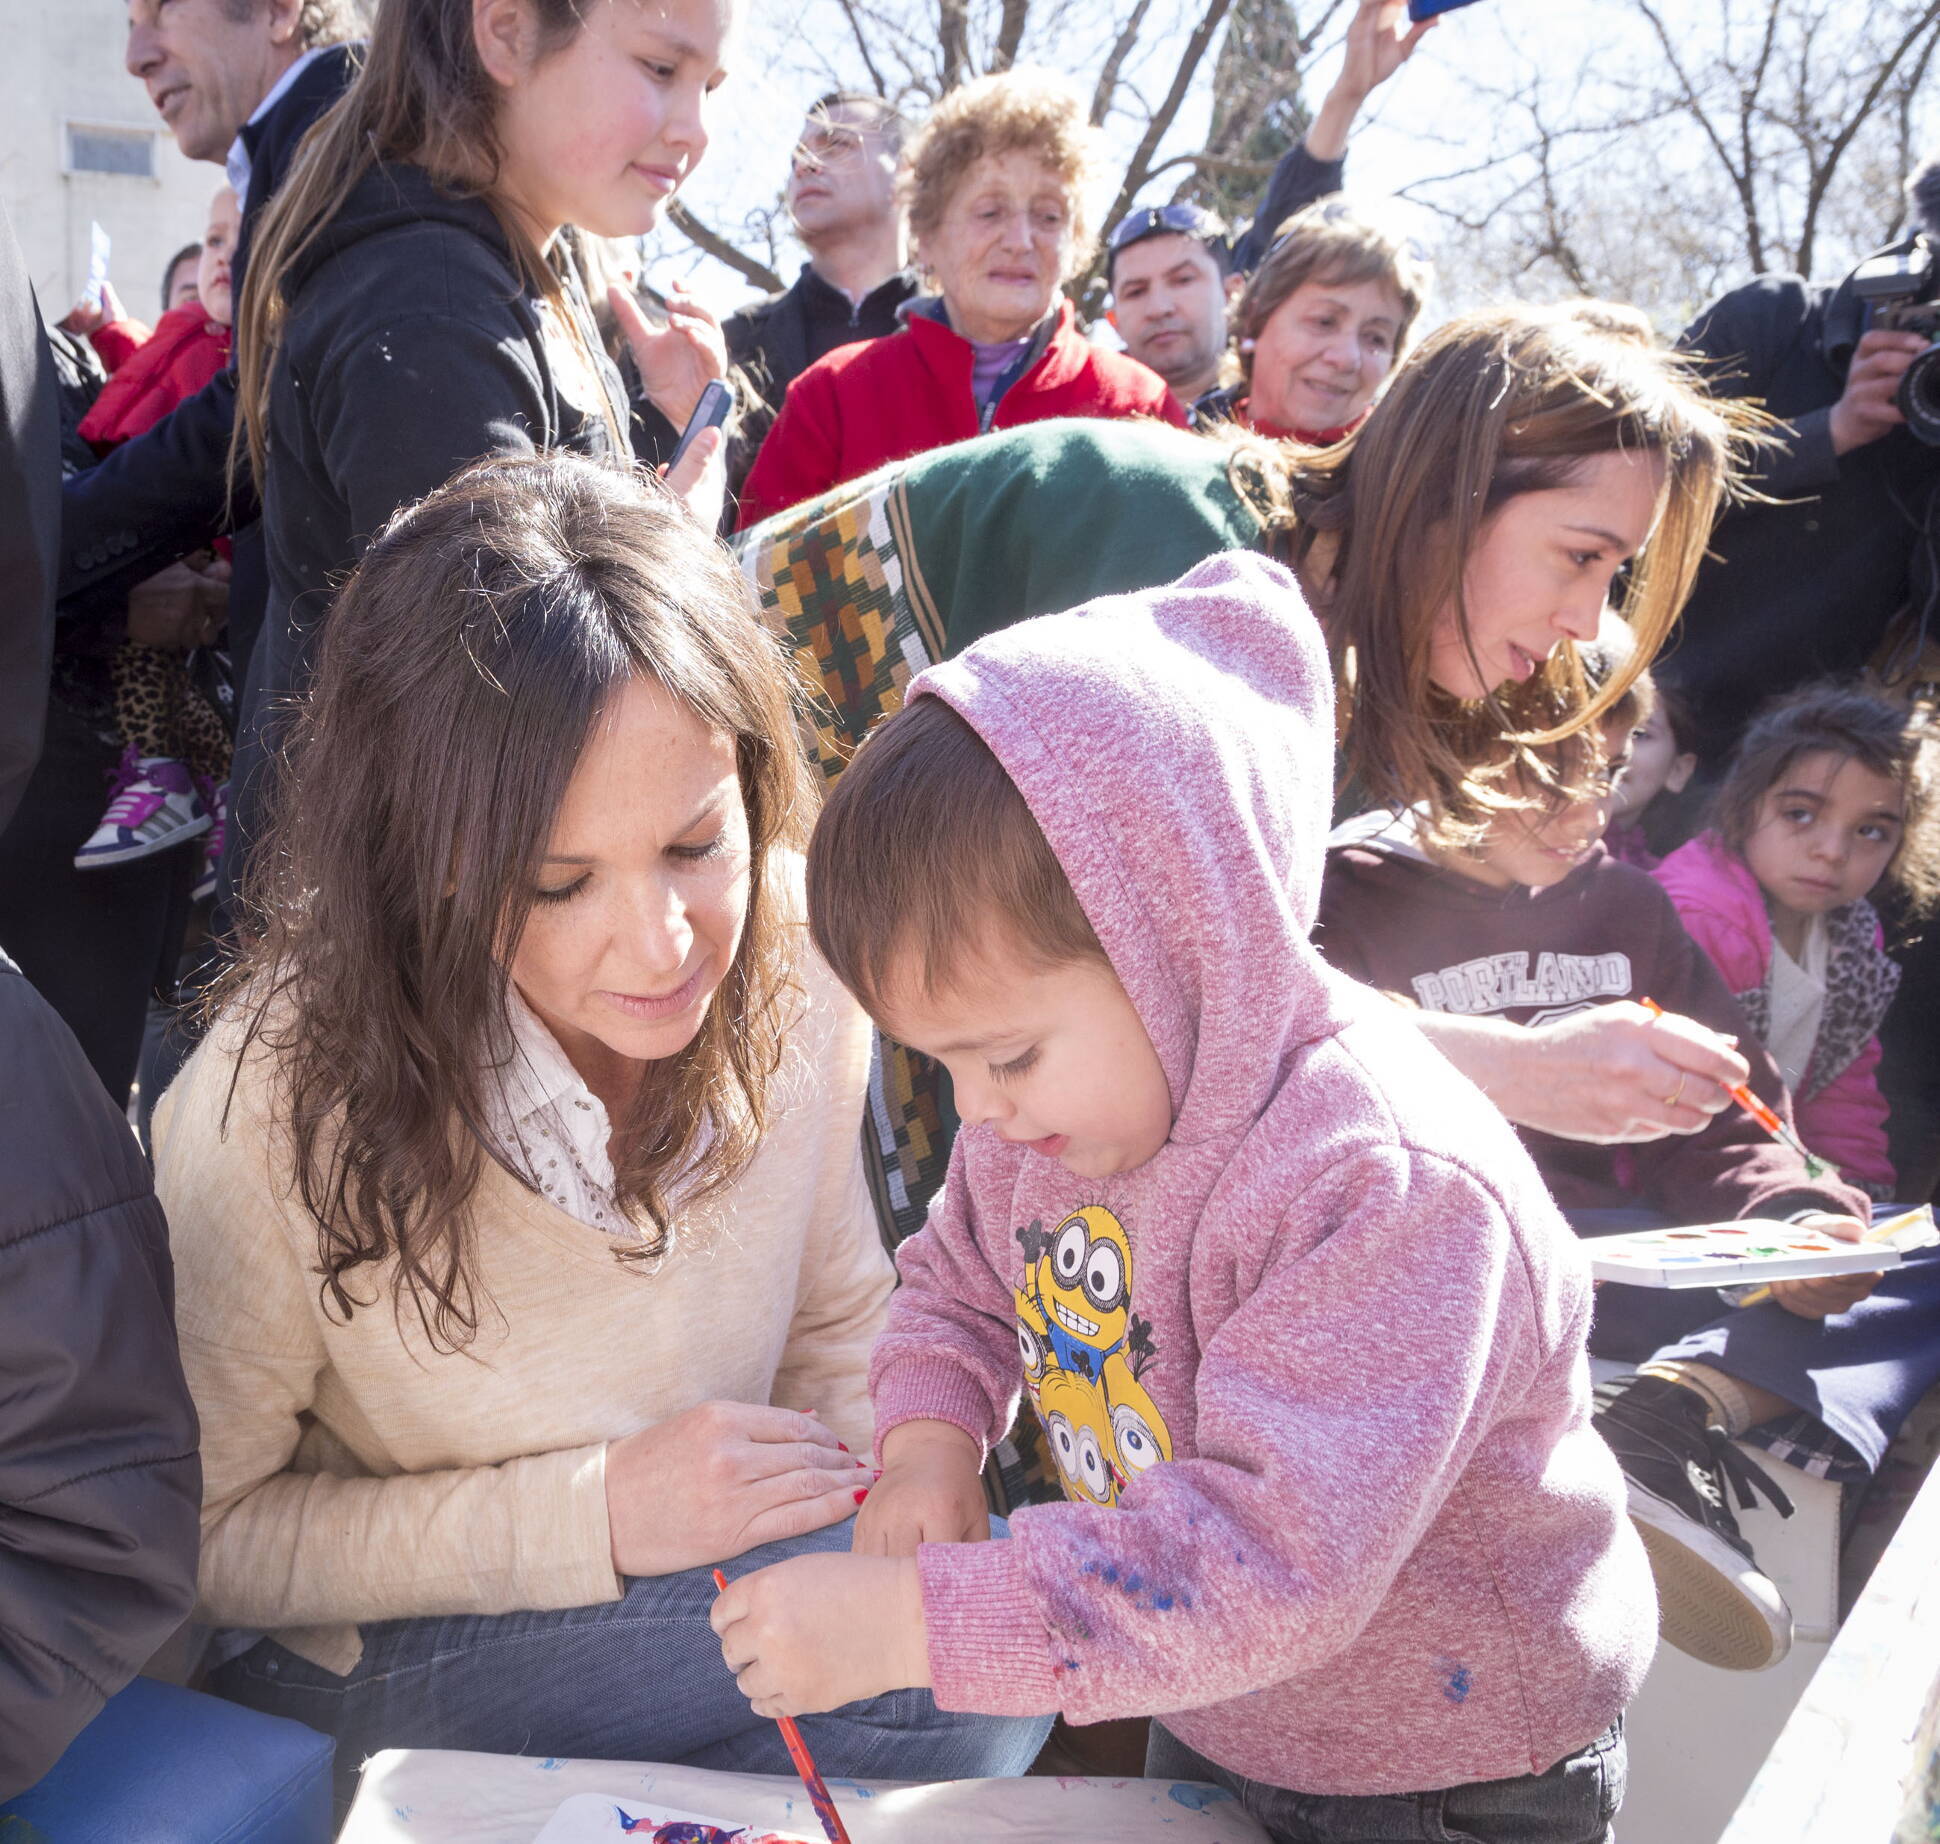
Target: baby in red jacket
x,y
172,783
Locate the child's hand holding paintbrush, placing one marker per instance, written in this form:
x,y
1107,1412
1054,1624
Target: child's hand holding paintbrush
x,y
818,1631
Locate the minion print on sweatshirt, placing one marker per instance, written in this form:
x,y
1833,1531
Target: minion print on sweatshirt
x,y
1083,1349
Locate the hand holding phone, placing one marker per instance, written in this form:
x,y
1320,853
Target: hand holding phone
x,y
709,413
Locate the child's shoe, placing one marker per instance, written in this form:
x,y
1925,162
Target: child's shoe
x,y
1714,1601
215,796
152,806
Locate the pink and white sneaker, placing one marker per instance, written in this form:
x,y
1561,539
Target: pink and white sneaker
x,y
152,806
215,796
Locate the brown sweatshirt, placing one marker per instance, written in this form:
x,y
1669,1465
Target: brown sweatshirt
x,y
1402,923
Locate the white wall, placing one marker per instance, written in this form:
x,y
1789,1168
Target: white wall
x,y
62,62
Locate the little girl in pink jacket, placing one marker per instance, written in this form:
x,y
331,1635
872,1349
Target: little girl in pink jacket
x,y
1830,795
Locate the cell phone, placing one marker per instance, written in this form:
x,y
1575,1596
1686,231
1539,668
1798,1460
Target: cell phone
x,y
709,413
1418,10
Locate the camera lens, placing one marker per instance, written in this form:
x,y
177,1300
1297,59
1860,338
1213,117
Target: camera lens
x,y
1919,397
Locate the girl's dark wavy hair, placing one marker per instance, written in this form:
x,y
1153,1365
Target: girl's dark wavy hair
x,y
1845,720
462,669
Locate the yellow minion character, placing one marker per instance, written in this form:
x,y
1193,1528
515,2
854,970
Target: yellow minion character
x,y
1033,1345
1139,1436
1081,1283
1078,1425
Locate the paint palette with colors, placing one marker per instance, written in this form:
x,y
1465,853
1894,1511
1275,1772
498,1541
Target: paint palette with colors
x,y
1755,1250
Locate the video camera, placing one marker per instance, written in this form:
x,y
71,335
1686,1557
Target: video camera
x,y
1903,293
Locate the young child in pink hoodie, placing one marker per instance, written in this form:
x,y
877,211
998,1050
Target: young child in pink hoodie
x,y
1300,1322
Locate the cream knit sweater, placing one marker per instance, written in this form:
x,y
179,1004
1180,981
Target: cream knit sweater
x,y
351,1473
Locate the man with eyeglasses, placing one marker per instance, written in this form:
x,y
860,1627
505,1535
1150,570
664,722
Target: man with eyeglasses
x,y
842,201
1172,270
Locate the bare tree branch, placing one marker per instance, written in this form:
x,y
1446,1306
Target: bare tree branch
x,y
862,47
1164,115
1121,48
1010,33
1822,179
722,250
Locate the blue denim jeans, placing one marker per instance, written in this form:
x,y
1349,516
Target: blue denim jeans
x,y
637,1679
1575,1802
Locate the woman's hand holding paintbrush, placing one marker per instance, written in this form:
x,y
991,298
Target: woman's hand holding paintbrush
x,y
1805,1297
1765,1116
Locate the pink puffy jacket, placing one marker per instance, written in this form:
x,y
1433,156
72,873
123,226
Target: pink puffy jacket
x,y
1840,1112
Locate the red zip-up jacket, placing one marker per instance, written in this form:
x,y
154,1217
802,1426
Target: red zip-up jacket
x,y
883,400
184,352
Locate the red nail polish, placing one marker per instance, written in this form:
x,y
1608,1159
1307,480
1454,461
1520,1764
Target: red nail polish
x,y
844,1445
860,1496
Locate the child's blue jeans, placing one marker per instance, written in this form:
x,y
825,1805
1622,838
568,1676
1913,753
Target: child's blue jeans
x,y
637,1679
1575,1802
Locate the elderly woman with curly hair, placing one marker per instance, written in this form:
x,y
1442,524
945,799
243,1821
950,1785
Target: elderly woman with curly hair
x,y
994,187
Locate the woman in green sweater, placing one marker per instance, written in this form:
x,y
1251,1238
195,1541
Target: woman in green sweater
x,y
525,1264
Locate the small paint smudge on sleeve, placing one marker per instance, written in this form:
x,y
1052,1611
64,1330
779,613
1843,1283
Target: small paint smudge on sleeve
x,y
1459,1682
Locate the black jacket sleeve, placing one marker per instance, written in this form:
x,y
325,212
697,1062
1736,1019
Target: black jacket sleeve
x,y
1297,181
100,1487
1747,335
30,474
150,503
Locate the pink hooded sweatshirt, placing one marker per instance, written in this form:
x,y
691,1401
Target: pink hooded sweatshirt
x,y
1315,1373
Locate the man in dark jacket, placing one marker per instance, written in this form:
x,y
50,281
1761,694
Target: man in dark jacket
x,y
241,87
1173,271
243,92
842,202
1810,586
99,1482
100,1486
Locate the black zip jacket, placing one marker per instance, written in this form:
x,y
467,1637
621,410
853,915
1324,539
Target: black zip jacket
x,y
100,1486
412,347
164,495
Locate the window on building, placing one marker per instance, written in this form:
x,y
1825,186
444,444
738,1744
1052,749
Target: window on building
x,y
92,148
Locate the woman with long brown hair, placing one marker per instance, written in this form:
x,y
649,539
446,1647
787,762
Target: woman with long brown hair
x,y
1523,465
526,1267
411,304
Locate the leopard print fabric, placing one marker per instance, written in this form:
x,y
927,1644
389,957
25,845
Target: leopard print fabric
x,y
158,709
1860,982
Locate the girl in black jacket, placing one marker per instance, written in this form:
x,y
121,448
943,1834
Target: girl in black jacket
x,y
411,306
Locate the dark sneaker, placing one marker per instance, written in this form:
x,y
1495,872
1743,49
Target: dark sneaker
x,y
1714,1602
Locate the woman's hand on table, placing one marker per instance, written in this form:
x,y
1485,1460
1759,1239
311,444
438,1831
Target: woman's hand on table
x,y
1612,1075
816,1632
720,1479
931,1491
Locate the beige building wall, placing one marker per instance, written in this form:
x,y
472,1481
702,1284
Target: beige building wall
x,y
61,72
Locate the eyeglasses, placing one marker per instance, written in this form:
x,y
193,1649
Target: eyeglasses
x,y
1152,220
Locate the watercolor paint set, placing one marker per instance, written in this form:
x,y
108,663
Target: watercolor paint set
x,y
592,1818
1755,1250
